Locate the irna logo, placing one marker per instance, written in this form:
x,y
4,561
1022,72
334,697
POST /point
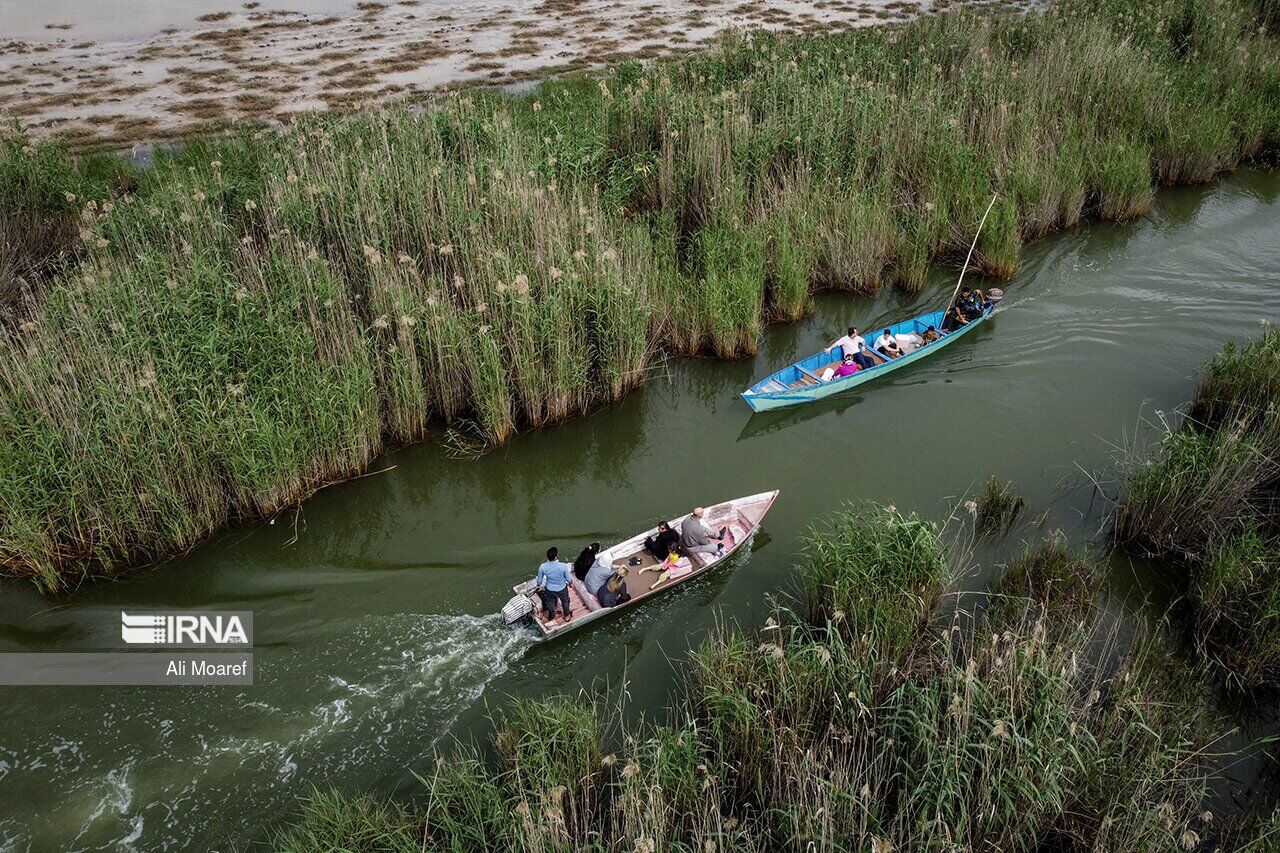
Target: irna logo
x,y
184,629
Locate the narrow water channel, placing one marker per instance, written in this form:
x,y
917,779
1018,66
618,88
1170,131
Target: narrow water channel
x,y
371,606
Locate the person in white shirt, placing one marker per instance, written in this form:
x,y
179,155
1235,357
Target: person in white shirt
x,y
887,346
853,344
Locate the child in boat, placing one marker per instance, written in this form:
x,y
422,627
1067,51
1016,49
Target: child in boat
x,y
672,567
848,368
930,335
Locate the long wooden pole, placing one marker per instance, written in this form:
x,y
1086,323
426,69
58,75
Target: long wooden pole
x,y
969,257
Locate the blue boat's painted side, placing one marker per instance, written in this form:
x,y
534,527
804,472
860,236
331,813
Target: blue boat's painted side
x,y
761,400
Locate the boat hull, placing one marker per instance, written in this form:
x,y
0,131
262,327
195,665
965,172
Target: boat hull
x,y
742,516
764,401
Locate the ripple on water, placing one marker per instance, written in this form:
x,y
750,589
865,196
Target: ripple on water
x,y
375,697
1098,322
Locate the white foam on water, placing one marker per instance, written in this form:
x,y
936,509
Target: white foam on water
x,y
116,799
363,705
10,842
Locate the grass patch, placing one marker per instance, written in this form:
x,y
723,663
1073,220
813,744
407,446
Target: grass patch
x,y
1051,576
874,575
41,194
673,208
997,509
1027,732
1205,500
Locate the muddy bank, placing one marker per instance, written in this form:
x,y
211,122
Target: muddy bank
x,y
152,72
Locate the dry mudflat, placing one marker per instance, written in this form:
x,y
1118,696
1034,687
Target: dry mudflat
x,y
100,79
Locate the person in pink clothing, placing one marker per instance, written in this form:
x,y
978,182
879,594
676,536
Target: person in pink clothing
x,y
672,567
847,368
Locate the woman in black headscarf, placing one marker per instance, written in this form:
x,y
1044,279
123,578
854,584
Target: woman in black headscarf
x,y
585,559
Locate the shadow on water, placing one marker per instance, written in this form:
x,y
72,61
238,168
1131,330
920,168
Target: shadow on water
x,y
364,662
955,358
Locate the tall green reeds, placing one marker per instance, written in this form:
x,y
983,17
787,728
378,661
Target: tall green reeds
x,y
217,335
997,509
41,194
1028,729
1206,499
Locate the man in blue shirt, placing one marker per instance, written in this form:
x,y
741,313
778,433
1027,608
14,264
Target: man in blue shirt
x,y
553,585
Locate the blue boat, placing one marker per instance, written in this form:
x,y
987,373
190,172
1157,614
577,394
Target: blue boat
x,y
802,381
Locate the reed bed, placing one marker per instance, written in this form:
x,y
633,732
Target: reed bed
x,y
1049,575
1205,500
995,512
255,316
41,192
1033,728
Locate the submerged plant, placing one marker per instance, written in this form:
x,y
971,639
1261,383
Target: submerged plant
x,y
997,509
1204,500
1028,728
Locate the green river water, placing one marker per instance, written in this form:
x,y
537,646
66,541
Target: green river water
x,y
372,607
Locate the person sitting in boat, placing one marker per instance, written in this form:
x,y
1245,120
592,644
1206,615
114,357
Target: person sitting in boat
x,y
696,539
614,592
887,345
585,560
930,335
954,319
973,303
847,368
673,567
853,344
599,573
659,544
669,562
553,586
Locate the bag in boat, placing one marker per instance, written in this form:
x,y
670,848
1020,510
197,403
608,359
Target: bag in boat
x,y
517,609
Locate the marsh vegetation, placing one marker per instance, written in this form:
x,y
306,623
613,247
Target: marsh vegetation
x,y
218,335
1204,502
867,717
389,51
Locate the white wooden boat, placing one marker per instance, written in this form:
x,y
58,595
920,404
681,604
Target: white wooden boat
x,y
740,517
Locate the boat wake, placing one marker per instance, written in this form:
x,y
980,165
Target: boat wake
x,y
358,709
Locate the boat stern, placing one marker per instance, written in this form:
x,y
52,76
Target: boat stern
x,y
518,610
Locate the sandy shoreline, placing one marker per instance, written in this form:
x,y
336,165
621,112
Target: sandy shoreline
x,y
246,63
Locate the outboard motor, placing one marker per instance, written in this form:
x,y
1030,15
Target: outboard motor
x,y
994,295
519,609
